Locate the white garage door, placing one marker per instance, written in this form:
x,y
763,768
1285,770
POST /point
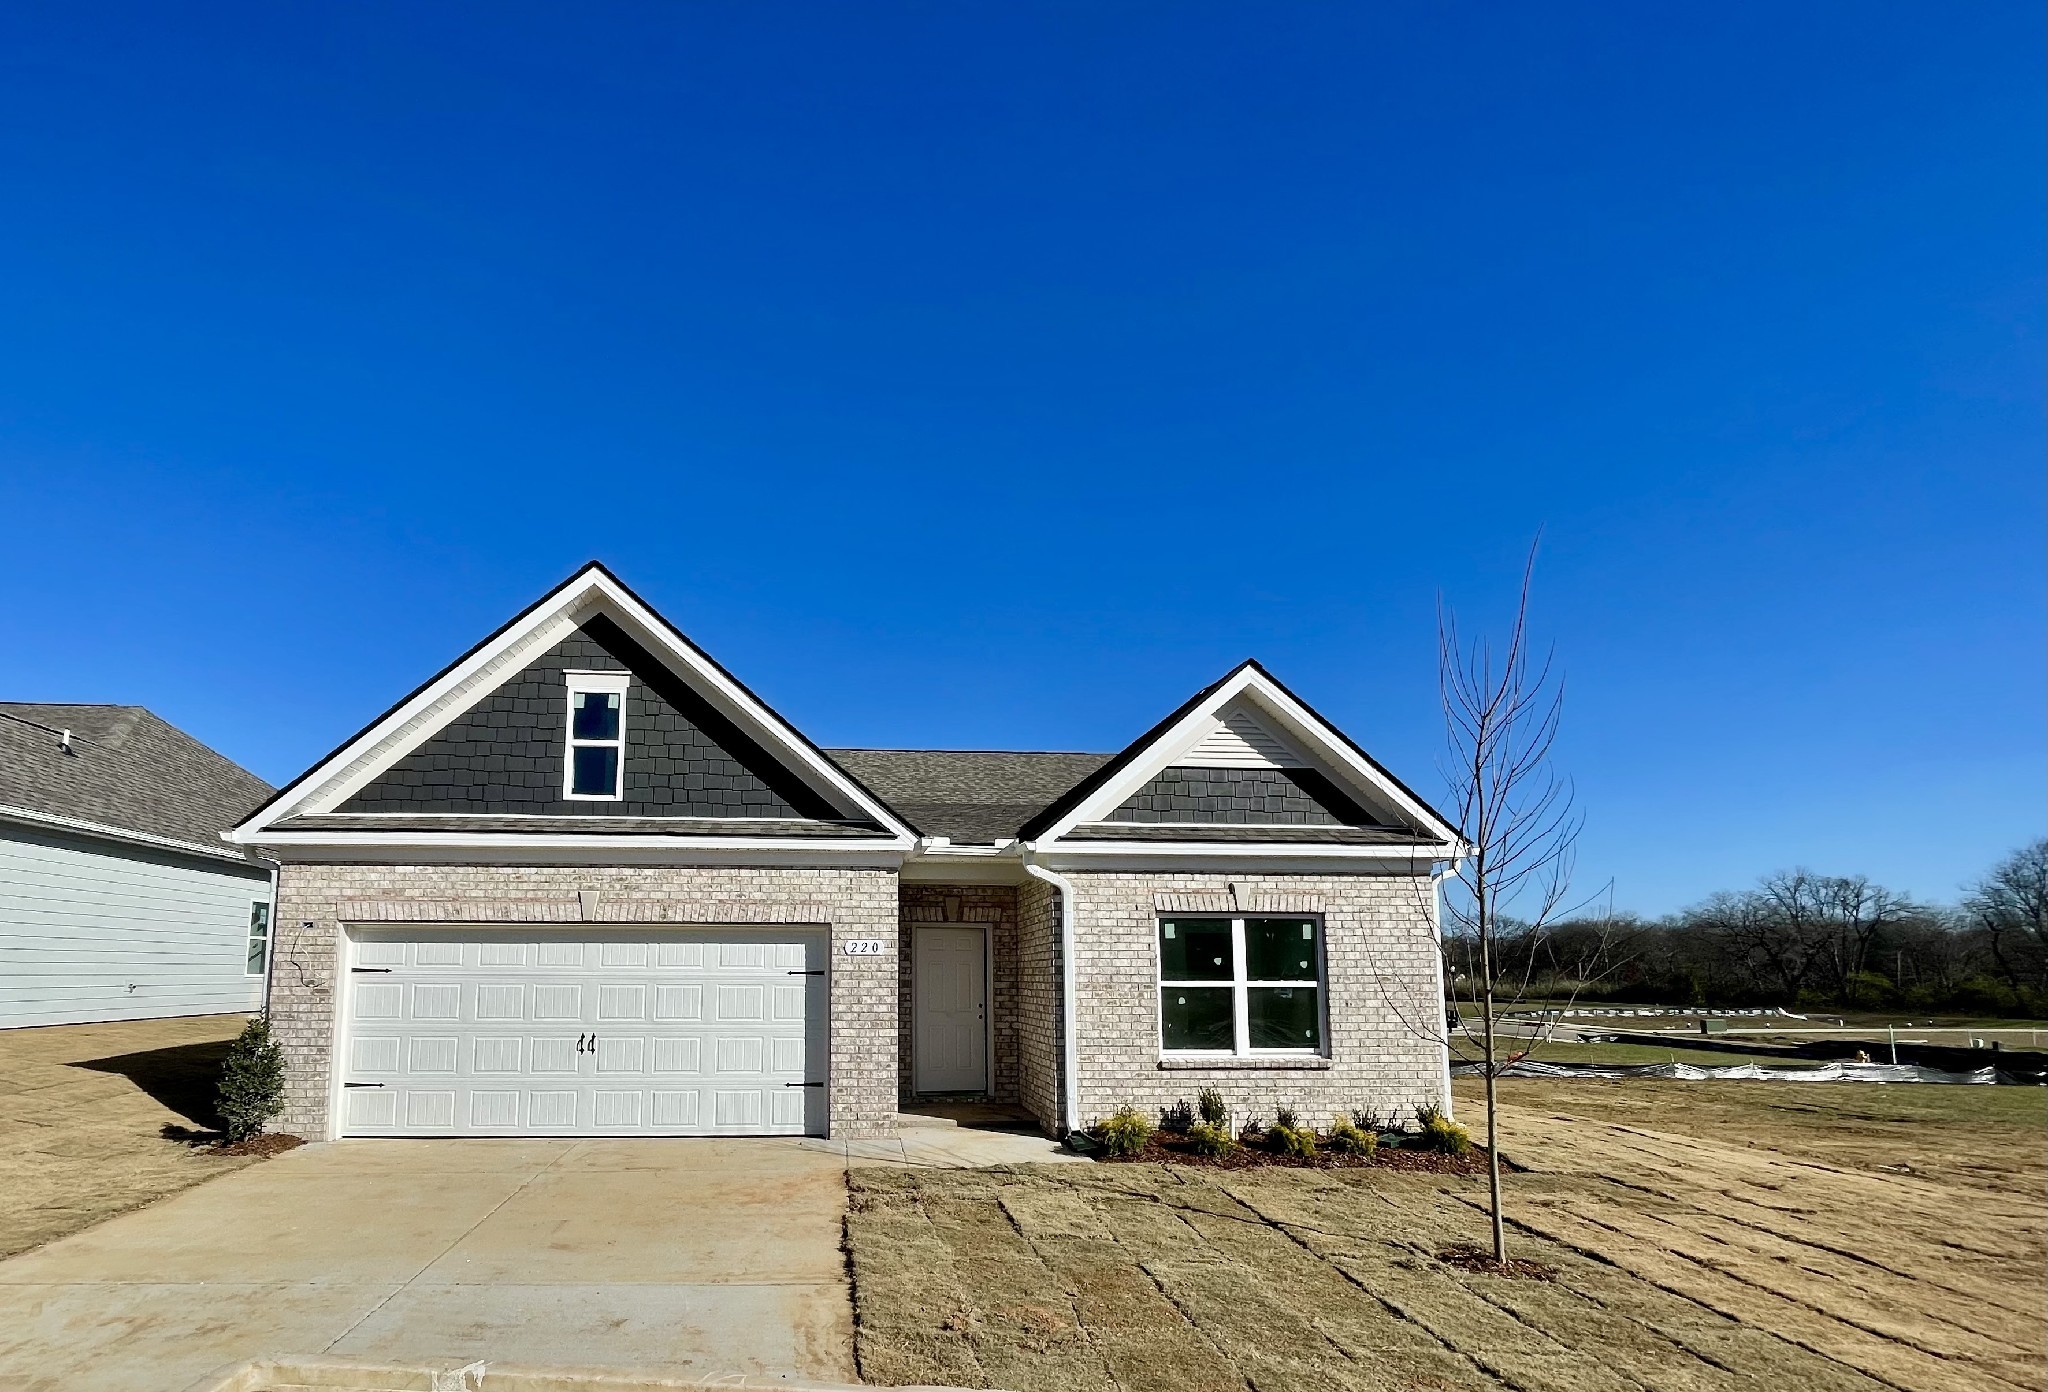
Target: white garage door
x,y
490,1032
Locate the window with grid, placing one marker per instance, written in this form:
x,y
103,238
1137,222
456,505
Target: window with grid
x,y
1240,985
259,937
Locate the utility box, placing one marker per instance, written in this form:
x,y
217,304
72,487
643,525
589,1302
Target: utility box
x,y
1713,1027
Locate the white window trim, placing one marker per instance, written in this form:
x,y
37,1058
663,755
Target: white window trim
x,y
601,683
1240,987
259,912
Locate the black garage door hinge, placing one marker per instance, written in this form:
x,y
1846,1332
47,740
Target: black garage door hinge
x,y
803,1085
385,970
804,973
350,1085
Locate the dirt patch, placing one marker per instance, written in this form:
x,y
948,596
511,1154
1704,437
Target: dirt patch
x,y
262,1147
1470,1256
1662,1260
1169,1148
96,1120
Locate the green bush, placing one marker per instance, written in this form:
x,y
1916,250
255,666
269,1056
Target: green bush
x,y
1209,1103
1125,1133
1177,1118
1206,1138
1439,1132
251,1088
1348,1136
1297,1141
1252,1132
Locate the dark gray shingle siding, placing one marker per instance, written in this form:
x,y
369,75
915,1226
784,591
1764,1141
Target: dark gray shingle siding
x,y
1247,796
505,755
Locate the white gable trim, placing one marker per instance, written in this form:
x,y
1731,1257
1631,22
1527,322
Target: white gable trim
x,y
589,592
1271,707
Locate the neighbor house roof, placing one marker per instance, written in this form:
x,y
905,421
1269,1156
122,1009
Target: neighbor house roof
x,y
126,772
973,796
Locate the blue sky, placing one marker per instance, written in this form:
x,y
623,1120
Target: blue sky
x,y
982,376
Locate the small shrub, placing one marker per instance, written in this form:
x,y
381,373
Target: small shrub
x,y
1252,1132
1366,1119
1439,1132
1298,1141
1348,1136
1210,1103
1206,1138
1177,1118
1286,1118
1125,1133
251,1088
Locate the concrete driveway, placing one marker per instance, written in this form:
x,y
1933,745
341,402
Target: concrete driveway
x,y
681,1256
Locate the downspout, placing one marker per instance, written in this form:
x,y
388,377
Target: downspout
x,y
270,938
1436,928
1070,1051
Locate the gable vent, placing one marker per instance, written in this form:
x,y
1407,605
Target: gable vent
x,y
1239,742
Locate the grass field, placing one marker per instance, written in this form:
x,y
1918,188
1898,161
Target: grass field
x,y
1756,1236
1559,1051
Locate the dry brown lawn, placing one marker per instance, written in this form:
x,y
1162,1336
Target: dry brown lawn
x,y
84,1114
1748,1240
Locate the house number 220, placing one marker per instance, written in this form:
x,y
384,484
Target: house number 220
x,y
863,947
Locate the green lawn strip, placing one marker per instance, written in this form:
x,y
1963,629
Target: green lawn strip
x,y
1901,1365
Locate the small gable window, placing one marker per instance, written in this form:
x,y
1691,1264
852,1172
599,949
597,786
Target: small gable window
x,y
595,769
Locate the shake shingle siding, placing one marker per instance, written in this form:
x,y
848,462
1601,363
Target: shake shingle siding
x,y
505,756
1297,797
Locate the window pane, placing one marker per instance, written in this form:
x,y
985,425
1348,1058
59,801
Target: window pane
x,y
1284,1017
1194,949
597,771
597,715
256,946
1280,949
259,920
1196,1017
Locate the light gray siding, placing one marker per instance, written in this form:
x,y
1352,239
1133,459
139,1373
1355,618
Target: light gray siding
x,y
93,931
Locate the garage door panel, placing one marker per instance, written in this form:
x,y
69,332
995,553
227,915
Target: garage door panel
x,y
638,1032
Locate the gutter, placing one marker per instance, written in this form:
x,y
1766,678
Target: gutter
x,y
1070,1052
30,817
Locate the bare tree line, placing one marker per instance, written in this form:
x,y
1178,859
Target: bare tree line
x,y
1797,938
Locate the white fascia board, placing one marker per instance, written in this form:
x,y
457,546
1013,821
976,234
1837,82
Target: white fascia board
x,y
338,776
500,840
29,817
583,850
1296,723
1227,860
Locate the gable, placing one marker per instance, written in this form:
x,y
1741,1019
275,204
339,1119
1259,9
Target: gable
x,y
474,757
504,755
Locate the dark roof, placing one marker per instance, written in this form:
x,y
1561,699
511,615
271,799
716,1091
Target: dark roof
x,y
974,796
127,770
581,826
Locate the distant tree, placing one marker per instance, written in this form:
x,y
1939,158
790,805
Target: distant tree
x,y
2010,906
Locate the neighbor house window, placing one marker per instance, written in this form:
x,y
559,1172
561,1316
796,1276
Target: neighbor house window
x,y
259,937
596,764
1240,985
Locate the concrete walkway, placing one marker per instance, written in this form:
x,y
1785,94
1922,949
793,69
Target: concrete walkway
x,y
681,1256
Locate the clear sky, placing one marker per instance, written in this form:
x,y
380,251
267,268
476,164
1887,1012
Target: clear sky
x,y
995,376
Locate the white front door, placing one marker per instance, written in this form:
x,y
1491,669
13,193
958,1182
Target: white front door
x,y
949,1019
599,1032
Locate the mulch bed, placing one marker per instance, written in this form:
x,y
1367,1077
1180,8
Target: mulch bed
x,y
1467,1257
263,1147
1166,1148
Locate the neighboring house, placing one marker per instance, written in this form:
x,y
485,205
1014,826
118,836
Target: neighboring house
x,y
584,882
118,900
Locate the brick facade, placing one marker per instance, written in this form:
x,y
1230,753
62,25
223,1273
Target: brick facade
x,y
315,900
1385,997
964,906
1038,1003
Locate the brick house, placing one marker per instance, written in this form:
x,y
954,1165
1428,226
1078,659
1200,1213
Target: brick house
x,y
584,882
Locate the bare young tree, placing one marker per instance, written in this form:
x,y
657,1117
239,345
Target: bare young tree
x,y
1517,816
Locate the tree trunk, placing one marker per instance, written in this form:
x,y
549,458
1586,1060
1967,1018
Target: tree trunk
x,y
1489,1071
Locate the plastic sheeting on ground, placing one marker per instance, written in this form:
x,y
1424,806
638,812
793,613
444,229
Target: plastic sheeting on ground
x,y
1834,1072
